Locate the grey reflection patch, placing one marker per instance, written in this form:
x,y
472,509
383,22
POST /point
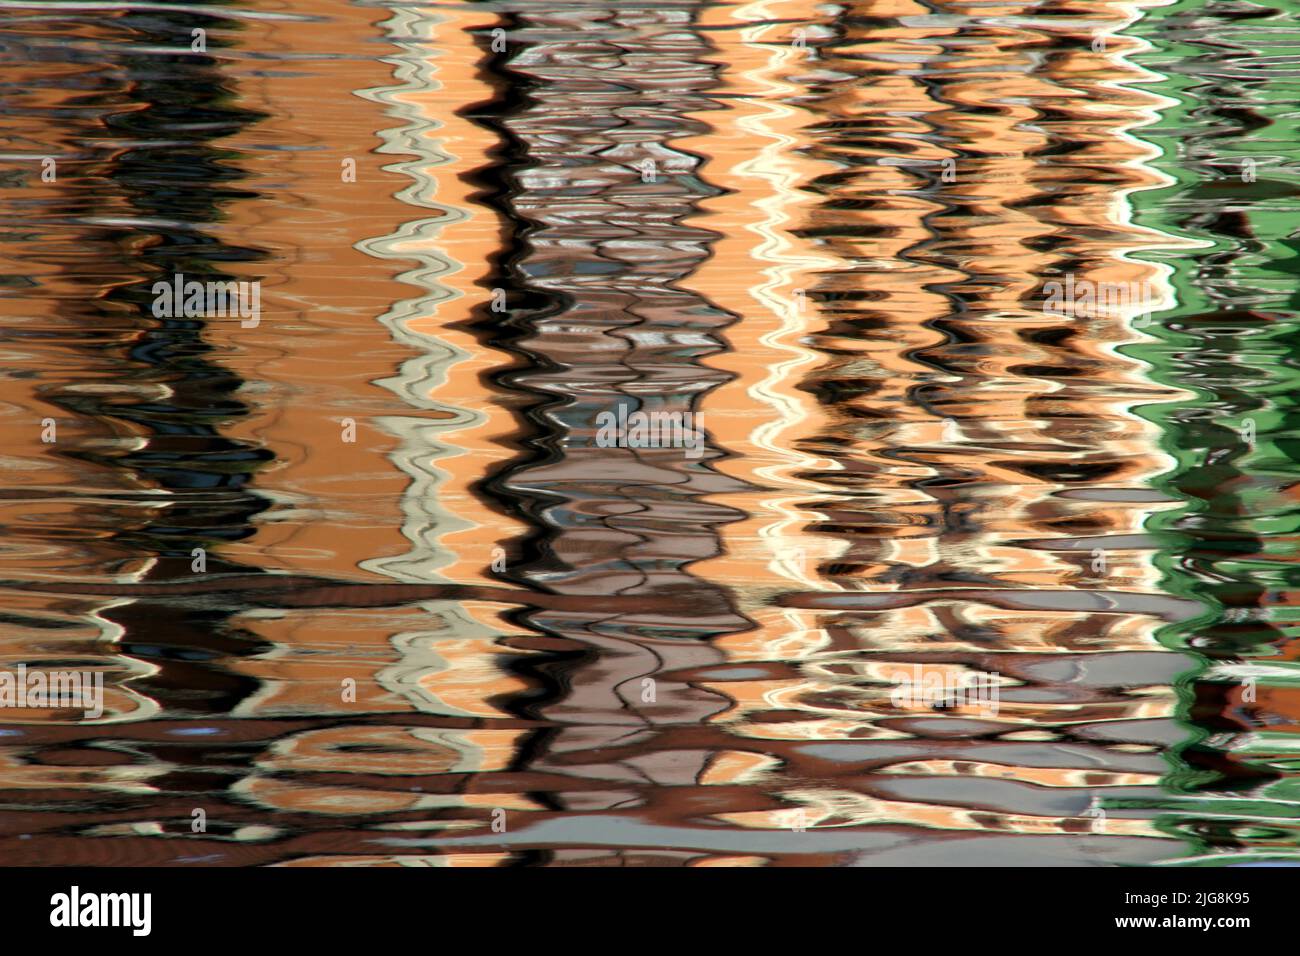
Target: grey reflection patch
x,y
1000,796
1123,669
1138,495
947,726
1035,695
629,832
731,673
1064,756
1166,732
1114,542
1090,850
858,753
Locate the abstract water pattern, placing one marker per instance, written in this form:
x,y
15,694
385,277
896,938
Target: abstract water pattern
x,y
694,433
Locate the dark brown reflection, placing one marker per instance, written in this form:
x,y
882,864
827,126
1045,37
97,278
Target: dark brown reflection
x,y
140,402
611,331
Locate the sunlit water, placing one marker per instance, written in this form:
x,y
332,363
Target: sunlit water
x,y
365,582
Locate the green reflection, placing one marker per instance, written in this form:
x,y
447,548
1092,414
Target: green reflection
x,y
1229,144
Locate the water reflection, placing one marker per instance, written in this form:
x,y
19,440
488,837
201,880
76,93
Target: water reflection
x,y
1229,343
437,619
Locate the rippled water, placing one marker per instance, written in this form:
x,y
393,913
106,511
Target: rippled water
x,y
365,583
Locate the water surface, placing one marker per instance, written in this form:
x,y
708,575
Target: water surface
x,y
368,588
